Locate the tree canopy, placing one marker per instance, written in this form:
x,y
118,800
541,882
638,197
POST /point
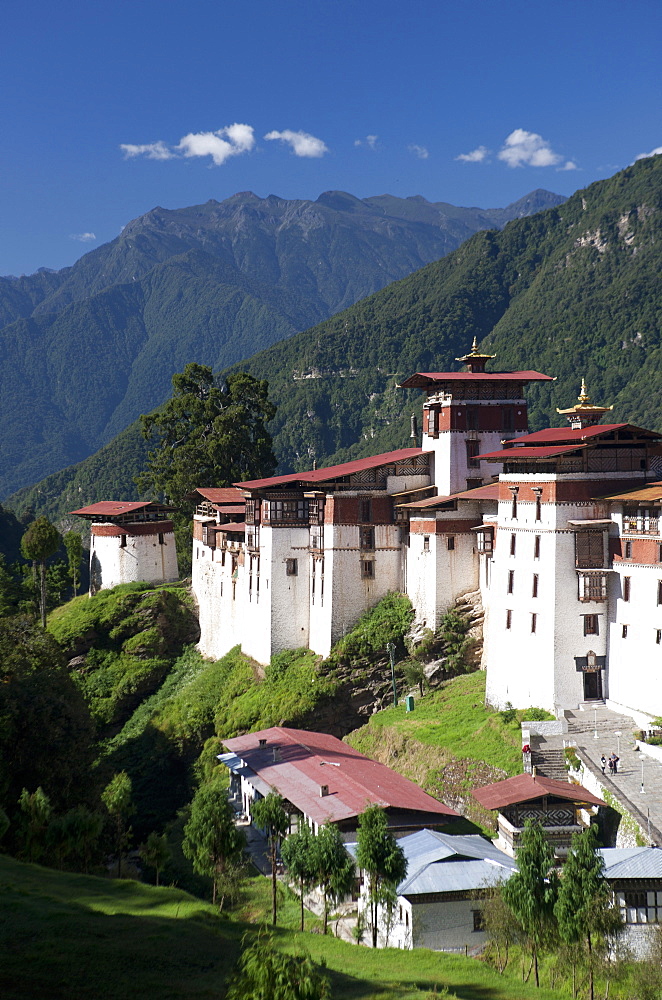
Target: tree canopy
x,y
211,839
41,541
381,858
269,814
208,434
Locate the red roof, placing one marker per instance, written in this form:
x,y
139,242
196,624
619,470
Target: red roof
x,y
335,471
552,435
419,379
488,492
232,526
225,494
309,760
526,788
521,454
237,508
112,508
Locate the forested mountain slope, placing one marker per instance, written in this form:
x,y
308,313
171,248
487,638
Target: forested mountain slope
x,y
87,349
571,291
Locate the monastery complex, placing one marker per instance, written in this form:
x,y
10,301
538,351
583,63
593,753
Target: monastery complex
x,y
559,530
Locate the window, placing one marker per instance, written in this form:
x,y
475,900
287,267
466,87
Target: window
x,y
538,496
659,551
511,581
509,619
367,569
536,547
250,511
450,545
589,549
122,541
426,543
473,450
473,484
367,538
208,535
659,591
641,907
591,625
479,925
514,490
513,544
507,419
161,539
592,586
431,415
534,622
658,636
626,588
286,510
472,418
292,567
534,588
364,510
628,550
624,632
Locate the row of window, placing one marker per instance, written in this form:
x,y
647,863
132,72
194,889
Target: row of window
x,y
123,540
534,620
450,543
536,545
627,589
511,583
514,492
591,626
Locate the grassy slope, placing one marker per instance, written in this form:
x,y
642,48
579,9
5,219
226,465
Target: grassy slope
x,y
448,745
65,936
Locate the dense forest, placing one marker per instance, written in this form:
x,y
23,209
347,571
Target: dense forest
x,y
571,291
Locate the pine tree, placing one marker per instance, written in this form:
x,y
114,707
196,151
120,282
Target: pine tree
x,y
335,870
116,797
381,858
211,840
40,541
73,543
298,853
268,814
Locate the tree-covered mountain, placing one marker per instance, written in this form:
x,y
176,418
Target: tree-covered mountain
x,y
571,291
87,349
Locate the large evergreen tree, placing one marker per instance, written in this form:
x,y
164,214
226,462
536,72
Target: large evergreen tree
x,y
40,541
584,910
269,814
531,891
381,858
211,840
208,435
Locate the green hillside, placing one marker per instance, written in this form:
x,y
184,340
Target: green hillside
x,y
87,349
571,291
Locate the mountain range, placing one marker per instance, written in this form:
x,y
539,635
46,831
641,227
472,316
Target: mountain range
x,y
571,291
86,349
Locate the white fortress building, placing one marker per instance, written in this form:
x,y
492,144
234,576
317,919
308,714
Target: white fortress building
x,y
130,542
559,530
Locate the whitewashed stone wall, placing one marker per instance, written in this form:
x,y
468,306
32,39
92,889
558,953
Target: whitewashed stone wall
x,y
142,559
635,661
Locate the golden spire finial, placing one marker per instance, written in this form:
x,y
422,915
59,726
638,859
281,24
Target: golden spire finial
x,y
583,396
475,360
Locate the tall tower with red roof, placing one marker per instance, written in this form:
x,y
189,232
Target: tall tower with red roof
x,y
467,413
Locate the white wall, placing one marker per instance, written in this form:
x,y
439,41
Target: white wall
x,y
143,559
635,662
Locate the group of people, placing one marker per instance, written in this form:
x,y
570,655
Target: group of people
x,y
613,763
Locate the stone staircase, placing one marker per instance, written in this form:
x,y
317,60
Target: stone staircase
x,y
548,761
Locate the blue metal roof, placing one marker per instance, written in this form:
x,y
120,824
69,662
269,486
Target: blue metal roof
x,y
632,862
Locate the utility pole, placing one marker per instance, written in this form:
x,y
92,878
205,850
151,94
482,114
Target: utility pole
x,y
390,649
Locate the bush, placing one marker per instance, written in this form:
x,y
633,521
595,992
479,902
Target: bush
x,y
388,621
534,714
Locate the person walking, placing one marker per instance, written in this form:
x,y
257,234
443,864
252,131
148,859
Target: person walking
x,y
611,763
614,760
603,763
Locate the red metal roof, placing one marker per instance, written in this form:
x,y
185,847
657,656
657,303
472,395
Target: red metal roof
x,y
521,454
224,494
551,435
488,492
335,471
428,502
232,526
419,379
308,760
112,508
526,788
237,508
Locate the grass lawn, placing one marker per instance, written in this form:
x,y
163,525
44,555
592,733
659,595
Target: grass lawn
x,y
65,936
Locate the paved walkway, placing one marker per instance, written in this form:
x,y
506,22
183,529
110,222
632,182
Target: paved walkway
x,y
638,781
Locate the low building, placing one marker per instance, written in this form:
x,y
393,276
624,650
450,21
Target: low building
x,y
323,780
130,542
561,808
438,903
635,875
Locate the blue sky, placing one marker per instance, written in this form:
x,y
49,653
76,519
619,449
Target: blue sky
x,y
112,107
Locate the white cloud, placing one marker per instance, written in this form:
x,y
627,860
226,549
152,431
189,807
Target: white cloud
x,y
152,150
568,165
370,141
522,148
420,151
478,155
302,143
654,152
221,145
83,237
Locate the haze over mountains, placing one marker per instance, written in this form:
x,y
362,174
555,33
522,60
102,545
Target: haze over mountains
x,y
89,348
571,291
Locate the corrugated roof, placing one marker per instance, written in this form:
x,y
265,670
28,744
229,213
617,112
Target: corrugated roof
x,y
308,760
438,862
525,454
428,502
488,492
419,379
550,435
234,508
114,507
632,862
224,494
525,788
646,494
232,526
335,471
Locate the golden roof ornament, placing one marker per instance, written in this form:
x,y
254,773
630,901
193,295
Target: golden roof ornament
x,y
582,414
475,360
